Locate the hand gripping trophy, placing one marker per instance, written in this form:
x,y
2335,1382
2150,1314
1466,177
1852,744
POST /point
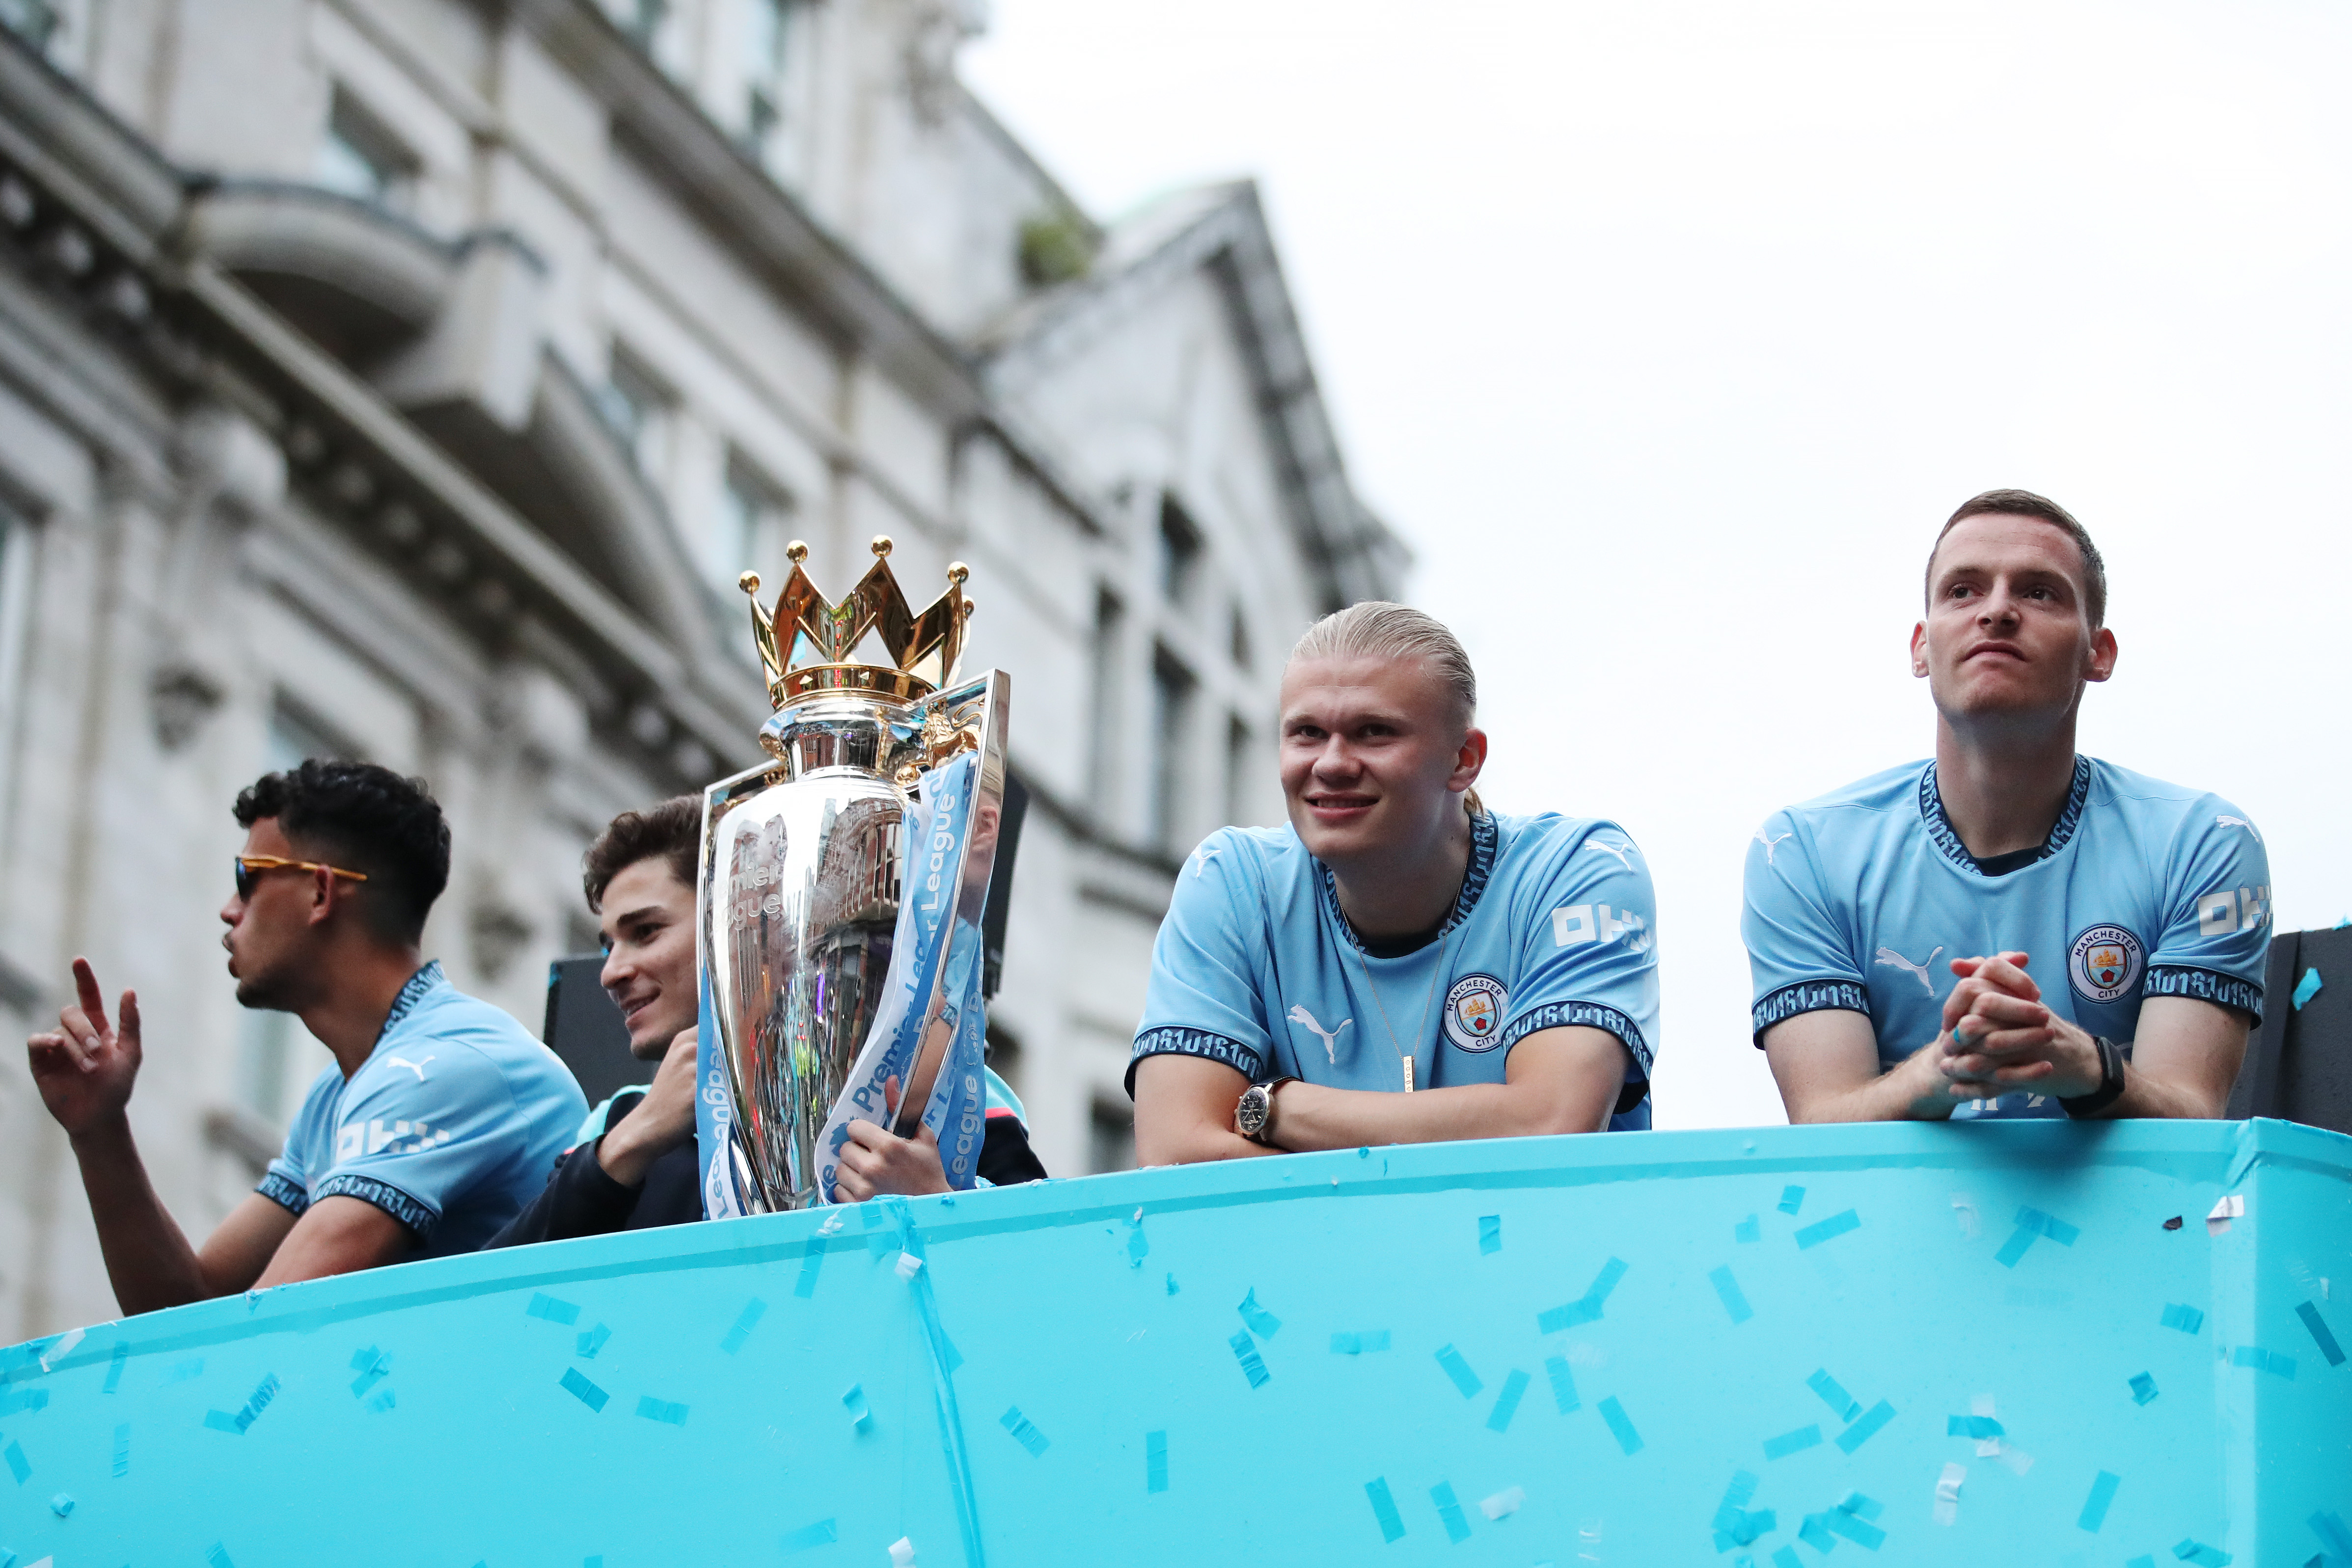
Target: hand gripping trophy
x,y
841,892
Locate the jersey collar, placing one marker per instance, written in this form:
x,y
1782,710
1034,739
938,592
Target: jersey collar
x,y
1939,827
421,985
1483,836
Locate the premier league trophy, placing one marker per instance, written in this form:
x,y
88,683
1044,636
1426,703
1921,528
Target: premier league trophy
x,y
841,892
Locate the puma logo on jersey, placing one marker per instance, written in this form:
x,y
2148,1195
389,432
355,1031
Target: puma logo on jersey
x,y
1768,843
415,1067
2239,823
1329,1037
1620,850
1918,971
1201,858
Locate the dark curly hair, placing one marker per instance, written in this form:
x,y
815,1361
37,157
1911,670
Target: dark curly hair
x,y
671,831
364,819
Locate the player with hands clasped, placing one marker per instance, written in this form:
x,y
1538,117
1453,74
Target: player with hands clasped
x,y
2009,929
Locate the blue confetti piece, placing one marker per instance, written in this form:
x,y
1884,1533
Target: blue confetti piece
x,y
1795,1442
587,1344
1620,1426
2309,1312
804,1286
1506,1403
1025,1432
2306,988
662,1410
1262,1324
2193,1551
1792,1198
1459,1371
1846,1406
2143,1388
1173,1286
122,1452
1736,1496
2262,1360
1586,1308
544,1305
2094,1507
1563,1384
1364,1343
809,1536
1138,1249
1862,1431
2187,1319
1727,1288
218,1420
1384,1509
1253,1365
1815,1532
1490,1233
1786,1557
1973,1426
1835,1224
2049,1224
1449,1512
1749,1229
583,1390
1155,1461
853,1399
745,1322
2012,1251
114,1366
2329,1528
382,1402
1854,1529
375,1367
1861,1507
218,1556
23,1399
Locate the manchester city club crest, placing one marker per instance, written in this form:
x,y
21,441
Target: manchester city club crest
x,y
2105,963
1474,1012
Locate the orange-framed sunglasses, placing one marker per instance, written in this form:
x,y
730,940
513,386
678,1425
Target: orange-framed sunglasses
x,y
248,867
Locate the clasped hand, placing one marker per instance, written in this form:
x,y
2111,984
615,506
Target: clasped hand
x,y
874,1159
2000,1037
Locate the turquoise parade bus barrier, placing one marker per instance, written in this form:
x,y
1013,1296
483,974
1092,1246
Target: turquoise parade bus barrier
x,y
1914,1345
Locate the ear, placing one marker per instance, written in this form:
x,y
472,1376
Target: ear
x,y
1469,762
1919,651
325,897
2102,660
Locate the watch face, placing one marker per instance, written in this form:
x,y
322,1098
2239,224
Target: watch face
x,y
1250,1114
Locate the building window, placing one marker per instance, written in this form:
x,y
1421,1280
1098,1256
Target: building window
x,y
641,20
765,57
1110,1136
359,159
276,1058
1180,552
1238,640
752,512
1171,714
1103,699
641,412
34,21
1238,764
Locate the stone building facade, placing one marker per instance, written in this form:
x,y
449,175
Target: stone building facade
x,y
410,379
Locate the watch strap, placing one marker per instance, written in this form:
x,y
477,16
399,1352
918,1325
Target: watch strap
x,y
2111,1081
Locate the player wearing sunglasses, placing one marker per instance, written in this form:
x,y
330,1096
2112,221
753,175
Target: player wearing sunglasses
x,y
440,1117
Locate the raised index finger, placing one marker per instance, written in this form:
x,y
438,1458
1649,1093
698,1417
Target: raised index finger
x,y
93,1000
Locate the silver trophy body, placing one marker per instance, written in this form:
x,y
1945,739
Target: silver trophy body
x,y
804,866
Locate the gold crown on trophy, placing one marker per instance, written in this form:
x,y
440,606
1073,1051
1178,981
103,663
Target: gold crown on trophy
x,y
809,644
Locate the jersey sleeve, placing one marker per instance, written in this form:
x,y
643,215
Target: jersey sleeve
x,y
1588,956
420,1134
1204,999
1798,957
287,1182
2217,930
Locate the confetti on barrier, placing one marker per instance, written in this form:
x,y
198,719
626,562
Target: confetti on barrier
x,y
1137,1247
583,1390
1587,1308
745,1322
1506,1403
1727,1288
2262,1360
1371,1341
1384,1508
1948,1493
585,1346
1792,1198
61,1504
1504,1503
2032,1224
1964,1209
1815,1532
1262,1324
544,1305
2329,1528
218,1556
1252,1364
1173,1286
185,1371
1861,1507
2306,988
1855,1528
250,1412
1834,1226
902,1552
861,1415
1793,1442
373,1365
1736,1495
1620,1426
2192,1550
1459,1371
2094,1507
908,1265
2309,1312
1749,1229
662,1410
1863,1431
2230,1207
2143,1388
811,1262
1786,1557
1025,1432
1490,1233
2173,1223
1155,1461
121,1451
1449,1512
1971,1427
1563,1384
62,1347
1833,1394
2187,1319
23,1399
809,1536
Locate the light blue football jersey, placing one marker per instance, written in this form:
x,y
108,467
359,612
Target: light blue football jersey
x,y
1255,967
1861,899
451,1126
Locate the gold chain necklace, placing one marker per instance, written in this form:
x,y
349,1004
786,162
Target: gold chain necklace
x,y
1404,1058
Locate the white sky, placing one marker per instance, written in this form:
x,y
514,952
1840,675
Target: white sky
x,y
1669,332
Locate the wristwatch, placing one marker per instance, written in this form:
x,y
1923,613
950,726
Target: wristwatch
x,y
2111,1081
1254,1111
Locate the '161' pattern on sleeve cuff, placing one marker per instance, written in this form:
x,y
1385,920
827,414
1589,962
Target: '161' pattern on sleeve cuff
x,y
1808,997
1586,1014
384,1196
2205,985
1176,1041
285,1193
